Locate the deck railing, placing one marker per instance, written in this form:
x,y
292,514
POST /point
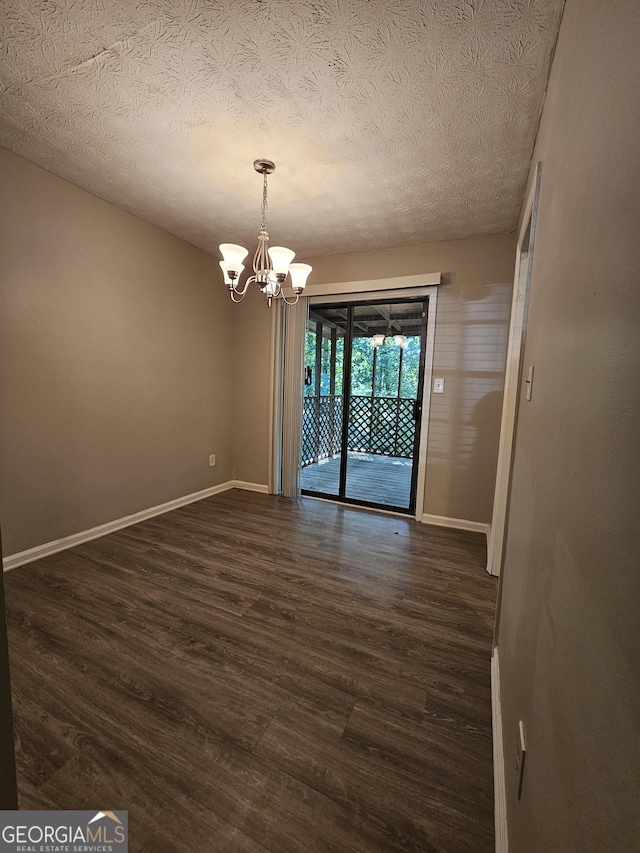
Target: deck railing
x,y
378,425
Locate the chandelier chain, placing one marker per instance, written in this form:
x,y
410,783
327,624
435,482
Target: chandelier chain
x,y
264,199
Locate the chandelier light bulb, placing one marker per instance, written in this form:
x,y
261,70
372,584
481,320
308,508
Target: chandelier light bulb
x,y
299,274
280,259
233,255
226,267
378,340
399,339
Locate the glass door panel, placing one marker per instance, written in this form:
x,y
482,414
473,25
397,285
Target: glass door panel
x,y
322,422
382,403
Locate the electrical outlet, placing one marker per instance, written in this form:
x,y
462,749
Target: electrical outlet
x,y
520,757
212,460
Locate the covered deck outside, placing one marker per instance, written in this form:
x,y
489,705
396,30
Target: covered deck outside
x,y
370,478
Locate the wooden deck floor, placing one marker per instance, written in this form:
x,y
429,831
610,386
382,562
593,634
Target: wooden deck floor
x,y
251,674
376,479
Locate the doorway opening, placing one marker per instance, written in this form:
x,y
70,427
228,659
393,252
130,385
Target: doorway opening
x,y
362,406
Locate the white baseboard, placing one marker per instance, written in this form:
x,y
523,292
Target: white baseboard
x,y
457,523
48,548
499,787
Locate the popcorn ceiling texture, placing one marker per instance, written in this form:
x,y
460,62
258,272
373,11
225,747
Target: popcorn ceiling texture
x,y
390,121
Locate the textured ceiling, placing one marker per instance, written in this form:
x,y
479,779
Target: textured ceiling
x,y
390,121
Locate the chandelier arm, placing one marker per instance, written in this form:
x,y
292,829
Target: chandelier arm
x,y
285,300
261,262
233,293
241,291
277,289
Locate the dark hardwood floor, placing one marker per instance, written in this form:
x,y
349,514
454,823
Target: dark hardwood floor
x,y
251,674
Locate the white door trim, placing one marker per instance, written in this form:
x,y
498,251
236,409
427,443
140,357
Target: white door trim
x,y
366,288
426,400
275,400
499,783
517,326
375,295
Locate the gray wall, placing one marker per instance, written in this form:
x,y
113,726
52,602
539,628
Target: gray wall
x,y
114,361
470,347
569,629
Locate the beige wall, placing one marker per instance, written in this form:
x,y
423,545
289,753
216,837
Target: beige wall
x,y
473,312
569,629
114,371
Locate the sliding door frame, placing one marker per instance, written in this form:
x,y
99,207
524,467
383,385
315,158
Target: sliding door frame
x,y
276,393
407,287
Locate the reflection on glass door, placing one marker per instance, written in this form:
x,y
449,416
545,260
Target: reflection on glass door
x,y
364,366
323,397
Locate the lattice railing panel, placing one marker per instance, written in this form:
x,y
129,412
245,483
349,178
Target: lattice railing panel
x,y
379,425
321,428
382,425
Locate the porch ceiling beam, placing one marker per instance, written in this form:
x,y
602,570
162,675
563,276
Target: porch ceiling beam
x,y
408,325
356,323
329,324
387,317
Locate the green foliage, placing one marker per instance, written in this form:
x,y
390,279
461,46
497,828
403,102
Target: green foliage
x,y
362,366
411,368
387,359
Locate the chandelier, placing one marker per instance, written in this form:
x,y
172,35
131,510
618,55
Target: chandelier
x,y
271,264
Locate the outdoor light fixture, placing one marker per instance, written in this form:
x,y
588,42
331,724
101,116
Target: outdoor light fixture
x,y
271,265
399,340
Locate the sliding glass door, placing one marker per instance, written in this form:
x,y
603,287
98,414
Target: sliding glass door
x,y
364,368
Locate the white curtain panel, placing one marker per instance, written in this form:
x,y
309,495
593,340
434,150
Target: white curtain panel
x,y
295,324
276,360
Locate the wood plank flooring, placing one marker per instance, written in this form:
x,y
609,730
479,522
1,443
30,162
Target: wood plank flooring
x,y
375,479
249,674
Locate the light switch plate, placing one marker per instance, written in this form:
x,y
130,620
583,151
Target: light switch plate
x,y
529,382
522,754
438,386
